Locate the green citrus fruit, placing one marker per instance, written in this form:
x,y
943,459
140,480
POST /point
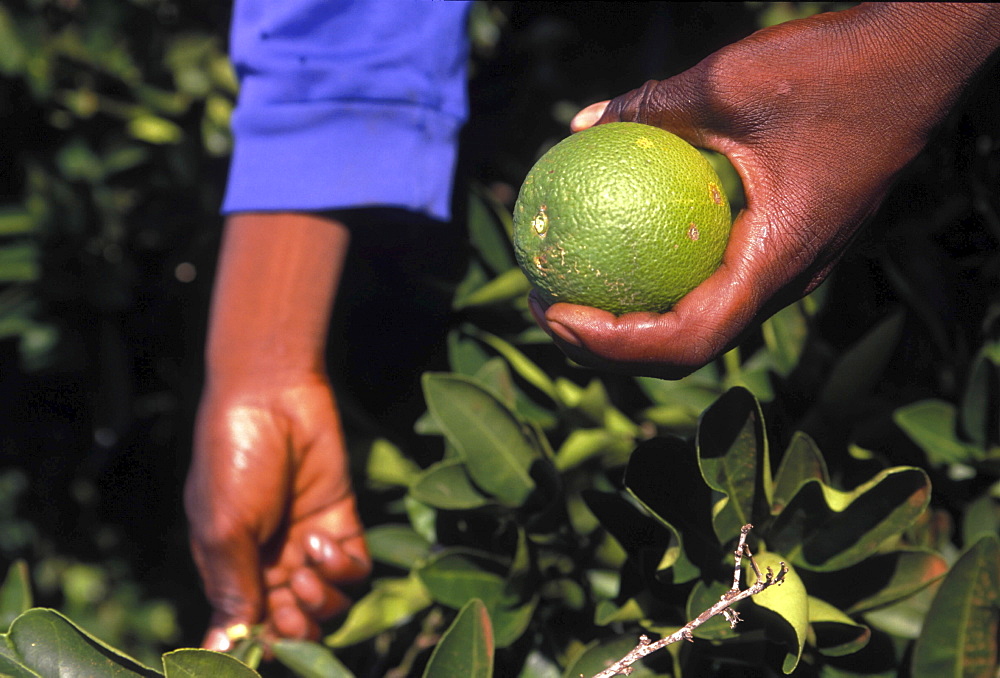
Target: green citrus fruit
x,y
622,217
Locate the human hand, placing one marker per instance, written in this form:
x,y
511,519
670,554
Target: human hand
x,y
818,116
274,527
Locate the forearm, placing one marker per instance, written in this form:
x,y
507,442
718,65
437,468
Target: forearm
x,y
274,289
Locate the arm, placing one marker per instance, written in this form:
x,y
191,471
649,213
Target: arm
x,y
818,116
274,529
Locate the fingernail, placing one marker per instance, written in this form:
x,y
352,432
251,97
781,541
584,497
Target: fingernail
x,y
587,117
565,333
218,640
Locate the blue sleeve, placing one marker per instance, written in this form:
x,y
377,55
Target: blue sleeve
x,y
347,103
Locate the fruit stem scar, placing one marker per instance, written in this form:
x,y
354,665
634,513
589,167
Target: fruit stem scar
x,y
540,222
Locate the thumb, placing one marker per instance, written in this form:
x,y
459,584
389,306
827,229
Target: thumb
x,y
230,572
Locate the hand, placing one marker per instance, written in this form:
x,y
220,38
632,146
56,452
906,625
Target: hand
x,y
274,528
818,116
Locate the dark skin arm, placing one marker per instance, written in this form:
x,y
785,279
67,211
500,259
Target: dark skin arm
x,y
818,116
274,528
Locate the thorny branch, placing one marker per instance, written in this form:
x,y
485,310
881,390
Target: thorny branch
x,y
624,665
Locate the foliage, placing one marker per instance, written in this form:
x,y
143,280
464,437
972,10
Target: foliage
x,y
559,512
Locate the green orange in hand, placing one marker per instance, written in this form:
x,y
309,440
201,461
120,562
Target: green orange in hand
x,y
623,217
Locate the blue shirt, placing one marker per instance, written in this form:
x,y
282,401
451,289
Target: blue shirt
x,y
347,103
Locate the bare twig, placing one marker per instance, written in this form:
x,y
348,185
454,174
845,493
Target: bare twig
x,y
645,647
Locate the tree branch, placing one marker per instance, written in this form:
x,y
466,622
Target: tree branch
x,y
645,647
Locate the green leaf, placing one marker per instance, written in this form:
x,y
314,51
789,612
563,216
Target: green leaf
x,y
960,635
495,445
16,221
50,645
309,660
19,262
733,457
584,444
508,285
982,397
466,648
663,475
599,655
931,425
703,596
398,545
191,663
390,603
489,231
456,576
154,130
15,594
835,634
802,462
825,529
789,601
859,368
893,576
446,485
521,364
785,336
387,465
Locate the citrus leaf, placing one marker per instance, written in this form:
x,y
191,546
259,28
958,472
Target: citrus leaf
x,y
309,660
960,634
466,648
825,529
733,458
193,663
390,603
50,645
456,576
600,655
387,465
789,601
586,443
982,397
15,593
446,485
510,284
835,634
497,450
398,545
663,475
785,335
896,575
521,364
931,425
859,368
802,462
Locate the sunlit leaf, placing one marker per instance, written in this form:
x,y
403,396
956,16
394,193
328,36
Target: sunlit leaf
x,y
960,635
309,660
510,284
931,425
192,663
390,603
492,441
388,465
466,648
826,529
47,643
789,601
398,545
15,594
446,485
456,576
